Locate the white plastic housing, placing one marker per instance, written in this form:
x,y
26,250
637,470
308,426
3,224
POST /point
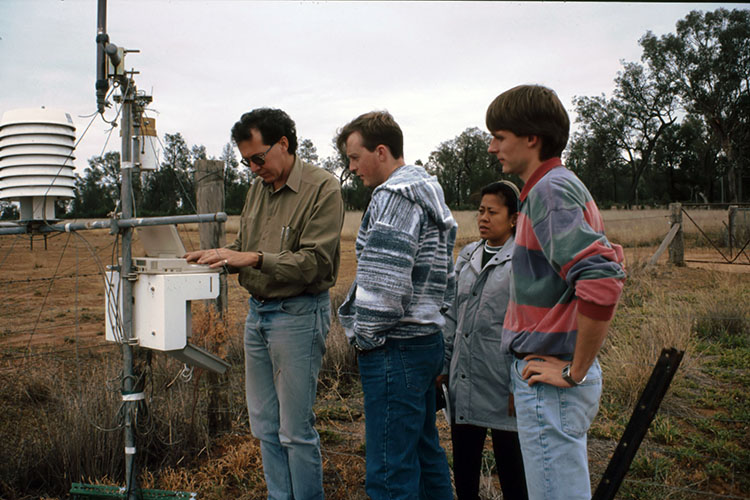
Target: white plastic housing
x,y
161,307
150,148
36,160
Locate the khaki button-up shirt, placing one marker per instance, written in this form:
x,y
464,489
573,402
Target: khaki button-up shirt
x,y
298,228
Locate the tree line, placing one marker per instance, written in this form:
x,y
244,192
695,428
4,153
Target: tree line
x,y
675,128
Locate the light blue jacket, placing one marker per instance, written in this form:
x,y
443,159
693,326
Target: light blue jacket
x,y
478,367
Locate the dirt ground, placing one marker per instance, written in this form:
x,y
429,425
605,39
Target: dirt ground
x,y
52,291
52,297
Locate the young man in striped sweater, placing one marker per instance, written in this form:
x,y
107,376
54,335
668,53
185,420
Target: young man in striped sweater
x,y
566,281
393,313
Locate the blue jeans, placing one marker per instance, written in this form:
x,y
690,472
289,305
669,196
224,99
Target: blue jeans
x,y
552,426
284,344
404,457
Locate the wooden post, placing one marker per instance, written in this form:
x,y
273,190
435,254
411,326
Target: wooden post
x,y
209,194
677,247
732,229
665,242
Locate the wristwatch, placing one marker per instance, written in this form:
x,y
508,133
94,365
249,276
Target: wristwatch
x,y
566,376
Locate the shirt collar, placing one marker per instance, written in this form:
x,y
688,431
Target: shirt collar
x,y
295,176
540,172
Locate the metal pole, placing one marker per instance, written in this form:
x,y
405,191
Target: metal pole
x,y
102,84
128,382
109,223
643,414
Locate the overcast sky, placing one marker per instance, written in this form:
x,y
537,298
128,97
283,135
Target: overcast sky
x,y
434,65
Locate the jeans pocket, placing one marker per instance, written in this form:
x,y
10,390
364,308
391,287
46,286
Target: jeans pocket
x,y
578,407
421,364
298,306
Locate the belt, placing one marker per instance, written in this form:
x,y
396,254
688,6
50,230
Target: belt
x,y
522,355
263,300
519,355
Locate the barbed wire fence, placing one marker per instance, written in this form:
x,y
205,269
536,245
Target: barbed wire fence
x,y
24,324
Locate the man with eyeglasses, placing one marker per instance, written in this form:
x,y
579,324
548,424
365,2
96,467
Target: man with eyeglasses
x,y
287,253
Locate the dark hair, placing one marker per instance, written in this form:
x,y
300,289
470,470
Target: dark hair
x,y
273,124
532,110
507,192
375,127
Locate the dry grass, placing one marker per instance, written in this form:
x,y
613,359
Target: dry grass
x,y
648,227
51,403
649,319
626,227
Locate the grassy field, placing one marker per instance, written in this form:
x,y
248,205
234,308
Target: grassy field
x,y
60,381
627,227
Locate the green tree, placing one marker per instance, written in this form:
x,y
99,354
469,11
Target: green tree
x,y
356,195
98,190
8,211
688,162
595,157
634,119
463,166
169,190
307,151
708,62
236,180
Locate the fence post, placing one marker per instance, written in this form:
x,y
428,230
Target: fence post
x,y
732,229
209,187
677,247
209,195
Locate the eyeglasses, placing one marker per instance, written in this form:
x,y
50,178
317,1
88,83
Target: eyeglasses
x,y
258,158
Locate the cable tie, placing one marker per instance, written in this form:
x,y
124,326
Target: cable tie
x,y
130,450
135,396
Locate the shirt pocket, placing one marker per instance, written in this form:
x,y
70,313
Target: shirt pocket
x,y
288,238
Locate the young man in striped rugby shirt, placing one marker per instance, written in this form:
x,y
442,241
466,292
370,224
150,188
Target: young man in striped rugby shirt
x,y
566,281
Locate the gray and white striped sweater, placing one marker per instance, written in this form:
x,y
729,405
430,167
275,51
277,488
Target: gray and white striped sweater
x,y
405,277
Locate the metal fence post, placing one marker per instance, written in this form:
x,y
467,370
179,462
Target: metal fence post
x,y
643,414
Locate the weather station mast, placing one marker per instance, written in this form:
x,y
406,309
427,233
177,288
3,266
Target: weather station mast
x,y
110,64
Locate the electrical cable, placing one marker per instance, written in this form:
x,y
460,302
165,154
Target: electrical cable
x,y
64,164
70,155
116,85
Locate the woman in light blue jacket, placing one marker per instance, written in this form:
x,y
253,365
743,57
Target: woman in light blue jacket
x,y
476,368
